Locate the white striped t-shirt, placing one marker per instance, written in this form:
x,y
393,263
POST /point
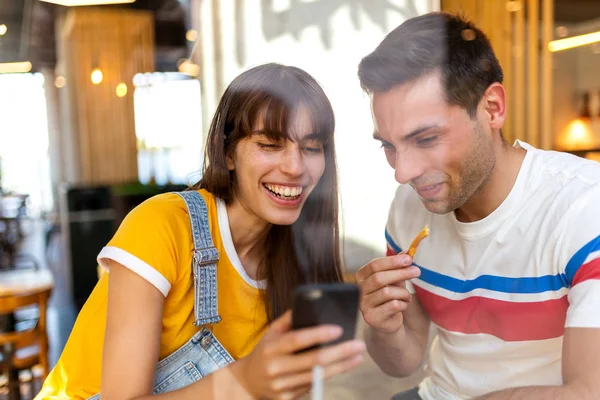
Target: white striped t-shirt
x,y
501,291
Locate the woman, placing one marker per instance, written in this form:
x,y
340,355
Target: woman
x,y
196,278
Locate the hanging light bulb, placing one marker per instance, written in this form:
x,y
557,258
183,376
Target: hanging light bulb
x,y
60,81
191,35
121,89
97,76
578,135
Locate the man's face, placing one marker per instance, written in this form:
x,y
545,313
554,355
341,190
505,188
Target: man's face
x,y
437,148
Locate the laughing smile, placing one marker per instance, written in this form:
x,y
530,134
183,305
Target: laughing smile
x,y
284,191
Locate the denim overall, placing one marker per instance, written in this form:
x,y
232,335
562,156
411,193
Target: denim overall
x,y
203,353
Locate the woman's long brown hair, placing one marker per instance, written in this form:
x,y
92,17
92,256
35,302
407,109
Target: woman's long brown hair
x,y
307,251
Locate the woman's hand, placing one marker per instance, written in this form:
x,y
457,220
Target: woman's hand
x,y
273,371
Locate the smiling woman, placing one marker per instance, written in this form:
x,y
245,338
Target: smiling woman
x,y
273,129
197,277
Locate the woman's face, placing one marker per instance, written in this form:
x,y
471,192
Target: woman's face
x,y
273,179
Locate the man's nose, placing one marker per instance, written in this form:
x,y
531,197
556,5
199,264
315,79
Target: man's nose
x,y
407,167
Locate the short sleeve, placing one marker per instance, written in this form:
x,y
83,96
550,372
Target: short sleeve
x,y
581,257
151,239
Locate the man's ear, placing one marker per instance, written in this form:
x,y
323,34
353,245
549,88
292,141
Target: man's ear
x,y
494,105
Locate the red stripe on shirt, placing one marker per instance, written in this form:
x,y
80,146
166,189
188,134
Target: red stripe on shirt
x,y
509,321
390,251
589,270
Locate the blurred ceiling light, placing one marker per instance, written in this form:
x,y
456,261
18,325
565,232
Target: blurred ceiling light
x,y
15,67
60,81
3,29
75,3
514,6
97,76
191,35
574,41
562,31
189,68
121,89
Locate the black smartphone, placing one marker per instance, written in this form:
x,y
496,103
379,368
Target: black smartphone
x,y
334,303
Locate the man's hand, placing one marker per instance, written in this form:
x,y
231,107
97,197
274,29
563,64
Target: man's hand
x,y
384,296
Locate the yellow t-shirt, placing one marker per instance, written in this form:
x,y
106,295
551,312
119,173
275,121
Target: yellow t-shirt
x,y
155,241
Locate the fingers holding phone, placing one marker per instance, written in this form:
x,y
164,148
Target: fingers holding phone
x,y
321,332
383,291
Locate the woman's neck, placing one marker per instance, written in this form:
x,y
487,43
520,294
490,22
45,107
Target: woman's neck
x,y
249,234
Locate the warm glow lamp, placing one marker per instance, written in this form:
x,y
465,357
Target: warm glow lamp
x,y
578,135
97,76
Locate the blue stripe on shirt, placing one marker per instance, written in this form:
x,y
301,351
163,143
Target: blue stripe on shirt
x,y
490,282
579,258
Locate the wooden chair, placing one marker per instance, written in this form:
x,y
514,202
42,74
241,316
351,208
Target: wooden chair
x,y
22,350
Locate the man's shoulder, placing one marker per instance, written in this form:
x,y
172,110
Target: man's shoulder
x,y
565,169
562,178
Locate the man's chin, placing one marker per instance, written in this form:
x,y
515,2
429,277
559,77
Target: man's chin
x,y
437,206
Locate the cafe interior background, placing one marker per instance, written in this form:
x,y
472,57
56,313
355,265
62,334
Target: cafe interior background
x,y
103,105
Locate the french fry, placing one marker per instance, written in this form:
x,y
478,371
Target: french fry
x,y
415,243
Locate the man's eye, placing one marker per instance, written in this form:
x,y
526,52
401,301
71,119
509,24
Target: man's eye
x,y
387,146
426,140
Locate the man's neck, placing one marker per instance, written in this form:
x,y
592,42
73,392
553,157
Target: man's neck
x,y
249,233
496,188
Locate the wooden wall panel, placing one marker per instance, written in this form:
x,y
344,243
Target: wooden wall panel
x,y
121,44
522,54
533,73
519,88
507,62
547,83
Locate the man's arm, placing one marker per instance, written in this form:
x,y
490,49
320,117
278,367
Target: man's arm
x,y
580,371
397,331
400,353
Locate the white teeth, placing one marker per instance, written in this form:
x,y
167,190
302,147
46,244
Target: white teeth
x,y
286,191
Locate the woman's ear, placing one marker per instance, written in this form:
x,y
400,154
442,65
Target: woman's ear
x,y
230,164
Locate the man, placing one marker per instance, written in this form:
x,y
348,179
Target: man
x,y
510,275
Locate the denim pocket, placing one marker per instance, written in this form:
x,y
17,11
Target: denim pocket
x,y
181,377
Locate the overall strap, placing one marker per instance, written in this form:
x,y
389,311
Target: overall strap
x,y
204,262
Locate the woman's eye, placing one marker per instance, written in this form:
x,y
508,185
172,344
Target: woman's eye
x,y
269,146
313,149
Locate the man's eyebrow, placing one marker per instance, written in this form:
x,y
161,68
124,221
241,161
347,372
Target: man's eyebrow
x,y
410,135
377,137
418,131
